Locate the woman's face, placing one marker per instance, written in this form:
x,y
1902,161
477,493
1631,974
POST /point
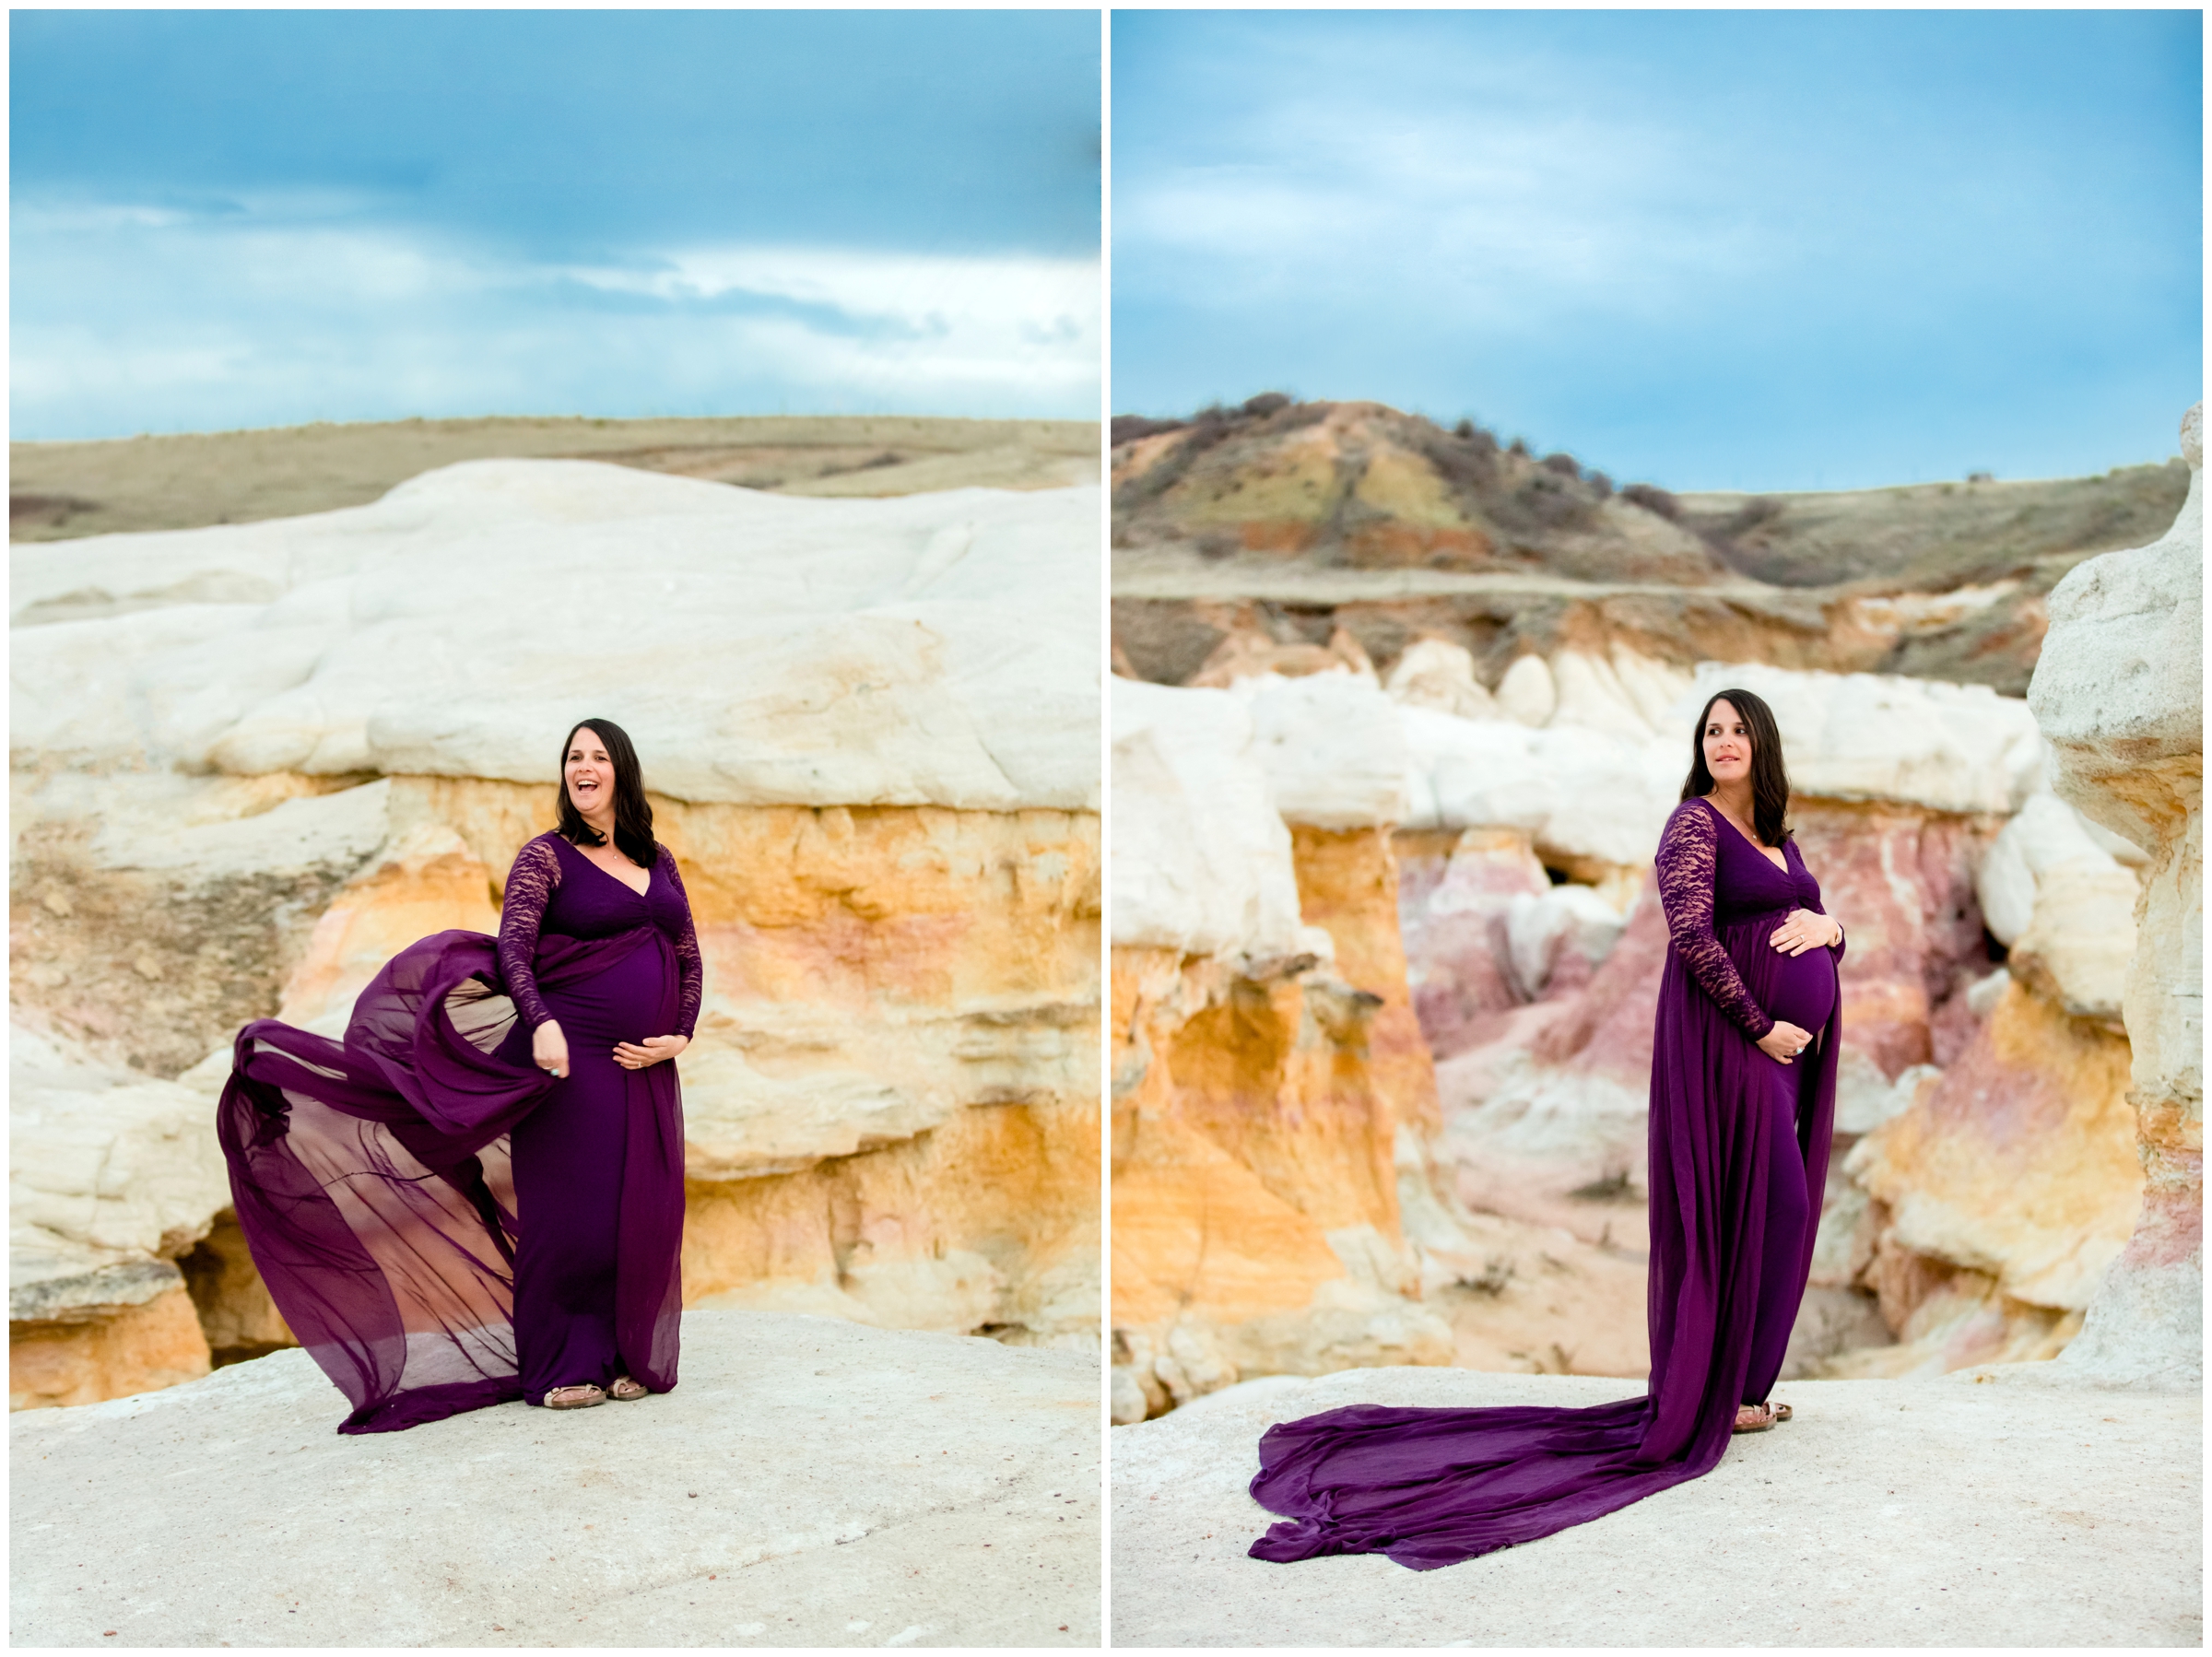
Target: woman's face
x,y
1727,741
589,772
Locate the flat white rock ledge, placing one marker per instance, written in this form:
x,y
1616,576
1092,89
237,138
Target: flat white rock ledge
x,y
1887,1513
809,1482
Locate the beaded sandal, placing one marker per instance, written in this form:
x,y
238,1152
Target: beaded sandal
x,y
625,1390
575,1398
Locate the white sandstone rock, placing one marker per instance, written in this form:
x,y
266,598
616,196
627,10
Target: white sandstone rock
x,y
1653,687
1201,858
2054,894
928,650
1928,1461
1438,674
1866,1099
1541,927
1589,794
2119,693
109,1176
1527,693
1591,695
807,1483
1599,780
1332,747
2081,936
1882,736
2120,681
1982,997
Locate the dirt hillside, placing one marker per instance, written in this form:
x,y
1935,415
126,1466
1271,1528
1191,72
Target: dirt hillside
x,y
1277,525
59,491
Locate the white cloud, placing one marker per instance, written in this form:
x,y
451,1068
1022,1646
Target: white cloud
x,y
129,319
1507,200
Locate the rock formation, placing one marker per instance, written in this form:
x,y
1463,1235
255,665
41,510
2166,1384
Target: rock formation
x,y
112,1176
1990,1179
1547,669
254,761
1258,1084
2119,695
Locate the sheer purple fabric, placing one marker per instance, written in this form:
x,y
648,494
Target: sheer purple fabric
x,y
383,1182
1737,1141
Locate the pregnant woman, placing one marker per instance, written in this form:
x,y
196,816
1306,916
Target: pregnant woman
x,y
1743,1098
479,1195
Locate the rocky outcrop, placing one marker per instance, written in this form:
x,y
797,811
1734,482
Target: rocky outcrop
x,y
1258,1083
2119,695
112,1176
2002,1194
1532,951
887,827
807,1483
1545,716
1908,813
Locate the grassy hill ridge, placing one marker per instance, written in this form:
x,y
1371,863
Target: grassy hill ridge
x,y
60,491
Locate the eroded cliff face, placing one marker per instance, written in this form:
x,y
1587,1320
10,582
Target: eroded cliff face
x,y
1532,947
2120,695
1256,1226
1268,1072
886,826
1983,1175
891,1106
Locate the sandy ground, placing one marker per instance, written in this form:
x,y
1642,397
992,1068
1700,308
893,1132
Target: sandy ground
x,y
59,491
1887,1513
810,1483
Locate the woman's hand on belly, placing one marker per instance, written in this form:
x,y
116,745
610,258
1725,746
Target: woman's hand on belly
x,y
1785,1042
1804,930
637,1056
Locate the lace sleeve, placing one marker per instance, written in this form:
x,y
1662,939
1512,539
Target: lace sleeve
x,y
1689,855
687,959
529,889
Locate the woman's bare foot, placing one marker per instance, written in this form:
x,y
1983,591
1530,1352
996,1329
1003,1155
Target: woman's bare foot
x,y
1754,1418
625,1390
575,1398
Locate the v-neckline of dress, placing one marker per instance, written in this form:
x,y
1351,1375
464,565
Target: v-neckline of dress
x,y
1779,868
633,891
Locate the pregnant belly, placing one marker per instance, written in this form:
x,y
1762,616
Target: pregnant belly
x,y
1803,991
626,1003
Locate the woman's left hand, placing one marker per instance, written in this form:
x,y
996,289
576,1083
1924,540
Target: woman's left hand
x,y
1805,929
637,1056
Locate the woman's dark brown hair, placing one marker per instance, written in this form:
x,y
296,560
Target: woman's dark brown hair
x,y
633,816
1769,781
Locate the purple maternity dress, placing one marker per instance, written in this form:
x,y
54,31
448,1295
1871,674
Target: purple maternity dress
x,y
442,1224
1738,1152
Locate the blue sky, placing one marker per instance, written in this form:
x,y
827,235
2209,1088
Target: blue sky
x,y
1710,250
250,219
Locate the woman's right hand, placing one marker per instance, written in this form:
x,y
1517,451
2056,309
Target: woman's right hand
x,y
550,1048
1785,1042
